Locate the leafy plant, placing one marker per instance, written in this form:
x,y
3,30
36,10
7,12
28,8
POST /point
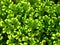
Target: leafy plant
x,y
29,22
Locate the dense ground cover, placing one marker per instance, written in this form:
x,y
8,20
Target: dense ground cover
x,y
29,22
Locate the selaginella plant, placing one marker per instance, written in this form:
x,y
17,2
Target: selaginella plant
x,y
29,22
